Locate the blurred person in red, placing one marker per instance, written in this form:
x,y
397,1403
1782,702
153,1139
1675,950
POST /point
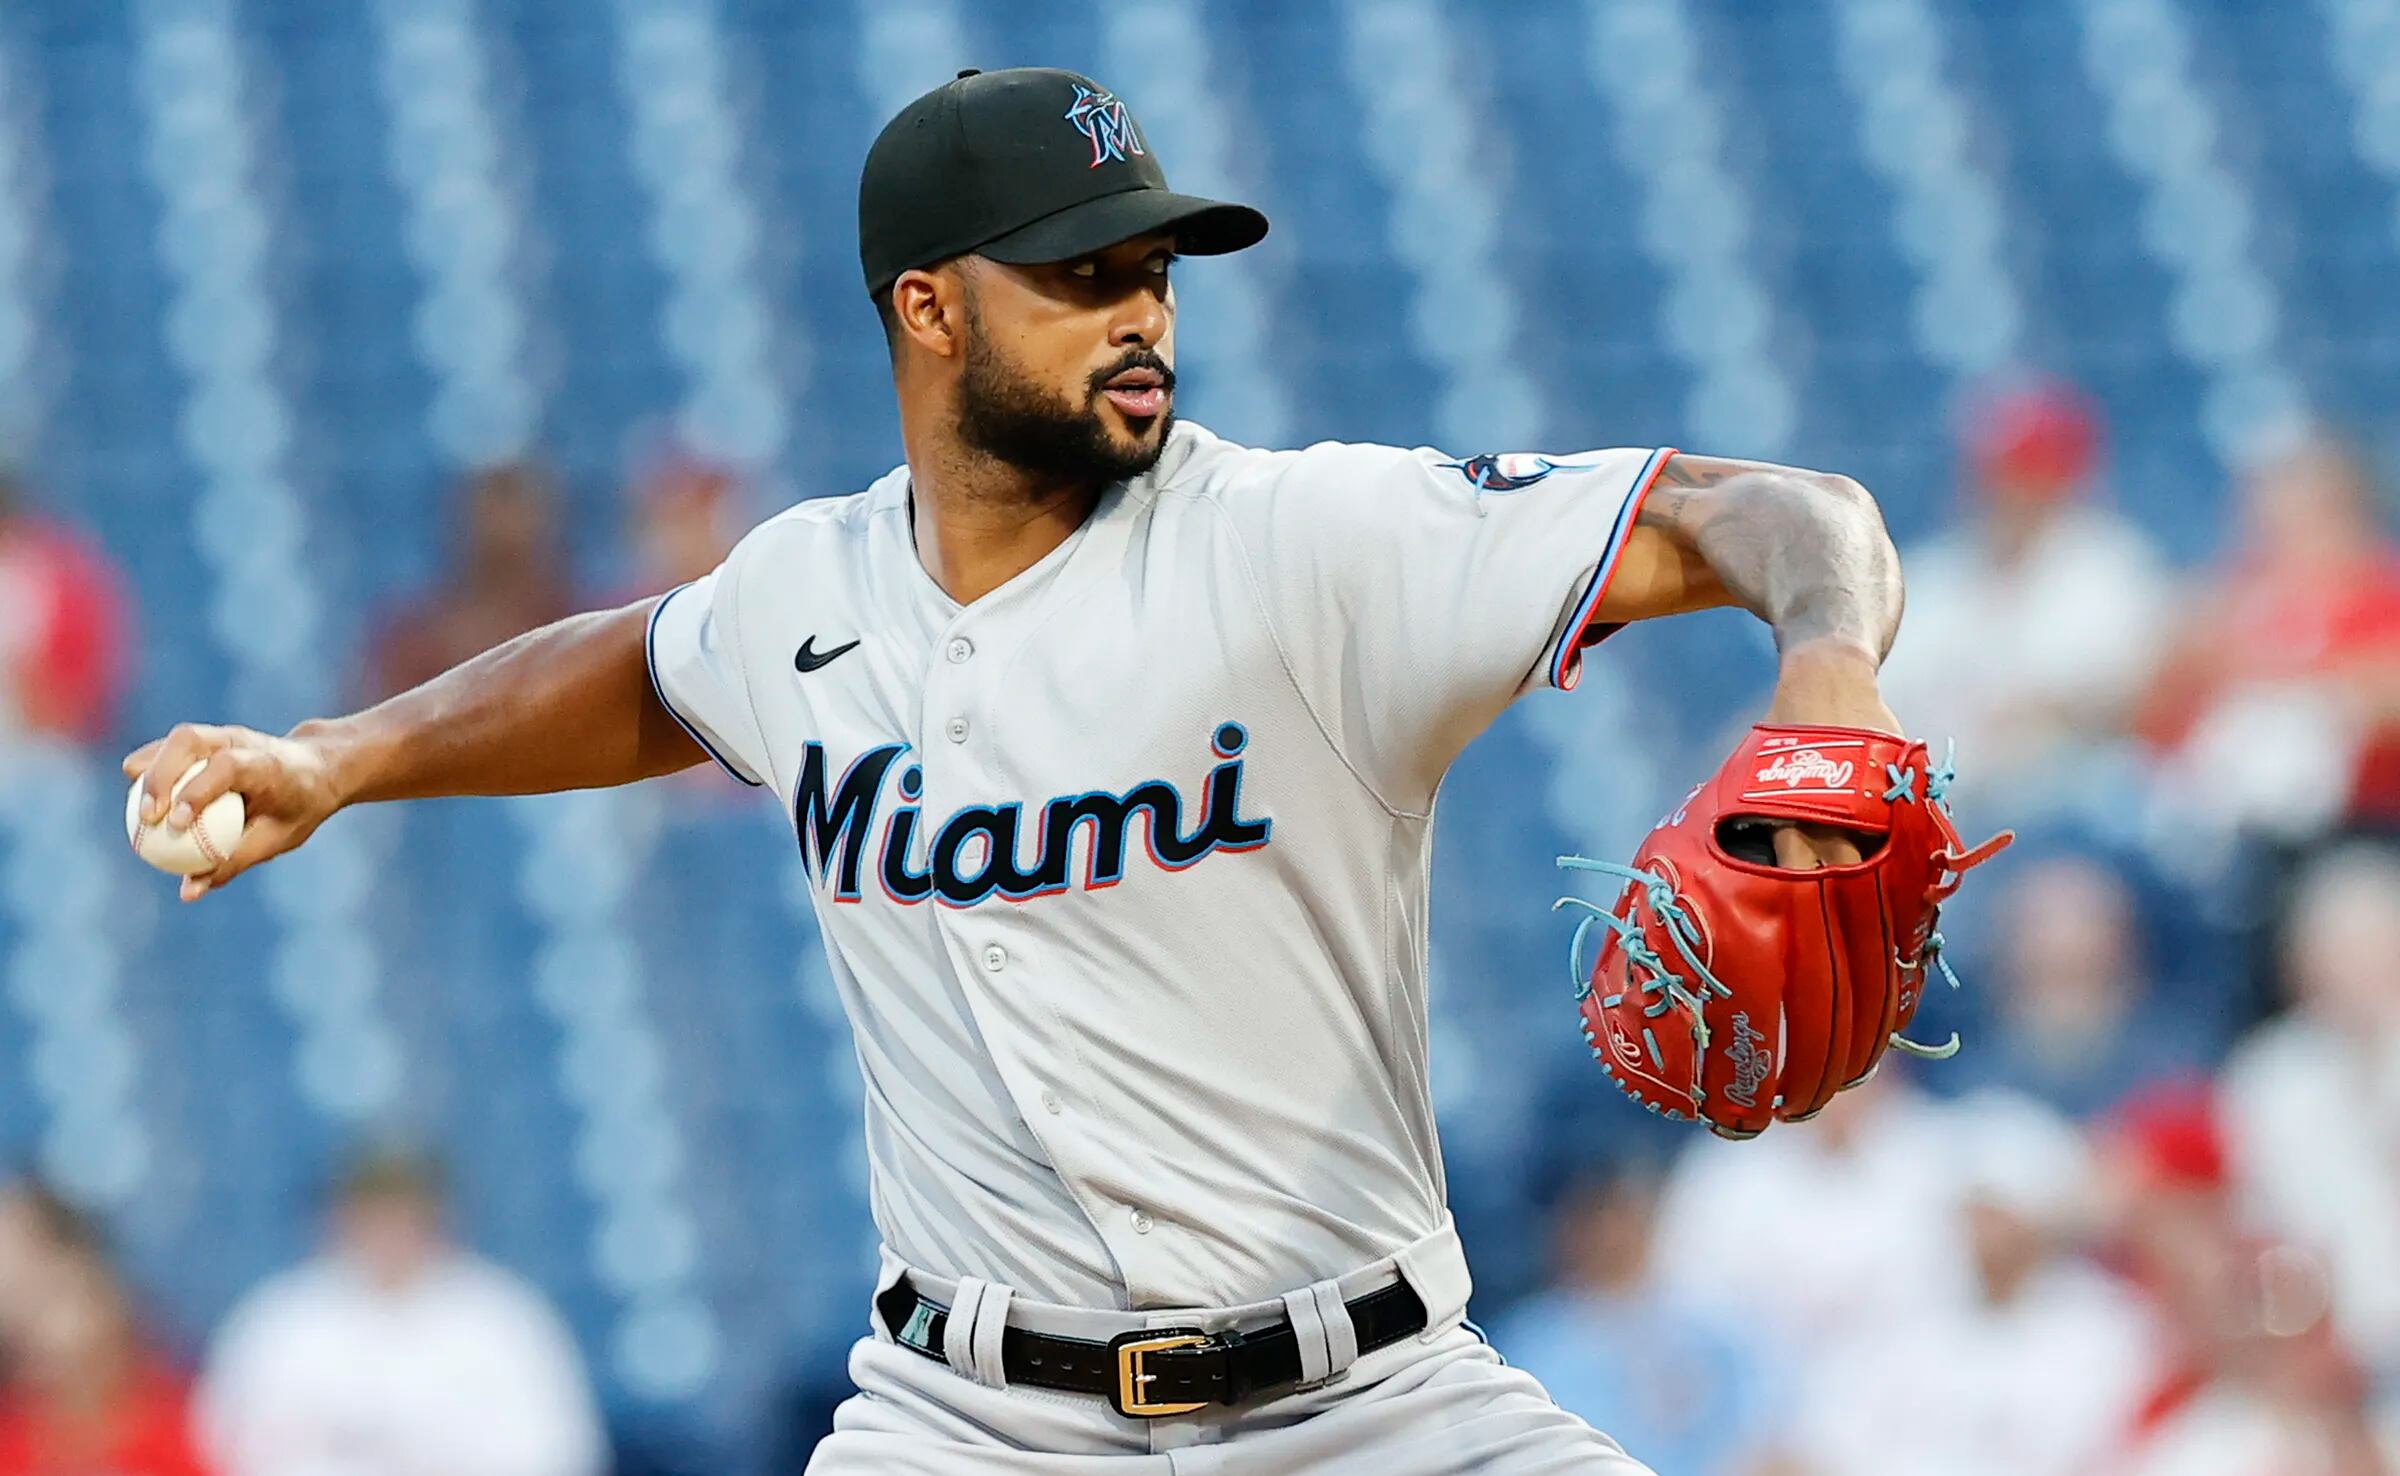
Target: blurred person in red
x,y
2079,1020
2035,1372
1680,1389
2252,1379
397,1353
509,575
2031,628
686,517
64,627
2279,705
82,1391
2311,1100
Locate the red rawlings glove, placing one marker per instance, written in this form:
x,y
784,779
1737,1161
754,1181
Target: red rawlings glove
x,y
1736,992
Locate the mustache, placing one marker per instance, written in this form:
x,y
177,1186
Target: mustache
x,y
1140,358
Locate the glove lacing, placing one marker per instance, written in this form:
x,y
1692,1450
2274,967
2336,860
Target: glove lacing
x,y
1955,863
1643,966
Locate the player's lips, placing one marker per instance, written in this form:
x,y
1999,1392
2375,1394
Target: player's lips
x,y
1140,393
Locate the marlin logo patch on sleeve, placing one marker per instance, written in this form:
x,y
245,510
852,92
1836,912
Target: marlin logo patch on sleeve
x,y
1494,474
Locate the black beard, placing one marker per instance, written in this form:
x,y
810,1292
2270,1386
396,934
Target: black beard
x,y
1004,415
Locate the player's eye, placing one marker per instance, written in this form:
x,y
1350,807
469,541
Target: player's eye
x,y
1162,261
1086,269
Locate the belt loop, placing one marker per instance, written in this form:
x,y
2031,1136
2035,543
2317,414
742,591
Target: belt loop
x,y
969,1311
1341,1334
1316,1354
991,1320
1321,1323
958,1330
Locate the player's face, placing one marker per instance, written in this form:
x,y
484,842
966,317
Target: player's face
x,y
1069,370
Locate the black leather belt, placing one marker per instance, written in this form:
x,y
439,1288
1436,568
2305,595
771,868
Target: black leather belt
x,y
1156,1371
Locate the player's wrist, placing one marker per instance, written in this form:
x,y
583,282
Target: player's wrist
x,y
344,754
1831,680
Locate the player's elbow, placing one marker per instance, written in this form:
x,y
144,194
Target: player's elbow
x,y
1846,500
1847,494
1785,492
1828,501
1874,560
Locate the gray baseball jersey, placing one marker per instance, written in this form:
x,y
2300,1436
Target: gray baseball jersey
x,y
1122,869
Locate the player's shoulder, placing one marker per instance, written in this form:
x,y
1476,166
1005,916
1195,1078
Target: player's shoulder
x,y
830,520
1202,465
819,529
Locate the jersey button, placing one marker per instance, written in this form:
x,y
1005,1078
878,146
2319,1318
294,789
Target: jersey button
x,y
1051,1104
955,730
1141,1223
995,958
960,650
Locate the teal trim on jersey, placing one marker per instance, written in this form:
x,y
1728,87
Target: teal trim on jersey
x,y
650,658
1565,670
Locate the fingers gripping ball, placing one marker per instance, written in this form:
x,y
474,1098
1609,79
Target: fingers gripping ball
x,y
202,847
1732,991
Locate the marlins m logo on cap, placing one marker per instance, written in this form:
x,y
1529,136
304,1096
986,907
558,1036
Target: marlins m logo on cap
x,y
1099,117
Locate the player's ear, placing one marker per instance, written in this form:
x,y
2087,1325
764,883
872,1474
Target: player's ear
x,y
928,307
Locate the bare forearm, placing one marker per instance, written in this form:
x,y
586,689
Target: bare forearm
x,y
1804,551
568,706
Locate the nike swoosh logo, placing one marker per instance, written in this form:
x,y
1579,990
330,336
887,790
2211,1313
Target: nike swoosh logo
x,y
809,658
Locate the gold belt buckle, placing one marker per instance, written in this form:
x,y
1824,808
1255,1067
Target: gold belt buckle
x,y
1131,1349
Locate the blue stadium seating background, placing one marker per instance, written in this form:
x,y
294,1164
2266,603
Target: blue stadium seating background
x,y
161,1059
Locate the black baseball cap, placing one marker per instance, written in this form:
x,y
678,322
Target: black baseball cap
x,y
1026,165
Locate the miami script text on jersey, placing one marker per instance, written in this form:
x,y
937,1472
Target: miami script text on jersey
x,y
974,854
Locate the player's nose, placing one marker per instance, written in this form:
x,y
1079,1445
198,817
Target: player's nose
x,y
1140,321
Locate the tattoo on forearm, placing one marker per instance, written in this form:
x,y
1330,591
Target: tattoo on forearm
x,y
1805,552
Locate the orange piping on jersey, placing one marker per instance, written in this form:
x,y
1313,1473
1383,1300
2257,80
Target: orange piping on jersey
x,y
1566,663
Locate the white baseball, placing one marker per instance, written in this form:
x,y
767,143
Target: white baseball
x,y
210,840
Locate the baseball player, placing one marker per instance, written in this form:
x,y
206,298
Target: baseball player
x,y
1111,750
